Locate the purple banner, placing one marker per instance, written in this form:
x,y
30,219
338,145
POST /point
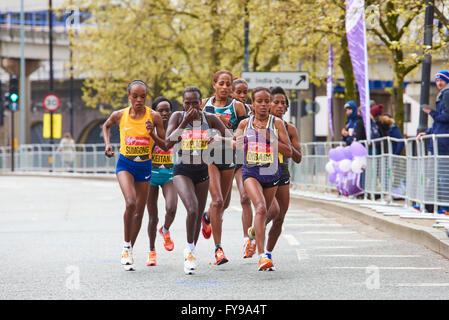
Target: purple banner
x,y
330,89
356,34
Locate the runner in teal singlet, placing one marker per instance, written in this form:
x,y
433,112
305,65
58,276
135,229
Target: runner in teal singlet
x,y
221,171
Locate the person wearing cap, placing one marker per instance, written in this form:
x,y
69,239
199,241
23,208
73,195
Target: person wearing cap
x,y
440,125
348,132
377,110
440,115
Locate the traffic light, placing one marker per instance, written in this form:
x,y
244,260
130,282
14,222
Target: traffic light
x,y
13,92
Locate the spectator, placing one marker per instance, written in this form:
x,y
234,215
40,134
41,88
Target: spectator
x,y
67,149
360,128
348,132
440,125
387,125
440,116
377,110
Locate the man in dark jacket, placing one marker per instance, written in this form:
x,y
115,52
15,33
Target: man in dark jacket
x,y
440,125
440,116
387,124
348,133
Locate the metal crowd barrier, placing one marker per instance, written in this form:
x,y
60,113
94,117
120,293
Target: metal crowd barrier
x,y
417,177
83,159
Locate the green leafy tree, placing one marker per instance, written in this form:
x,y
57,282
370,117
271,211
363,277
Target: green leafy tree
x,y
399,29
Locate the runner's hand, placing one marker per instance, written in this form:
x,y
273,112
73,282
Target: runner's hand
x,y
109,151
149,126
191,115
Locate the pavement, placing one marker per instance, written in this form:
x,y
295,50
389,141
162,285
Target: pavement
x,y
393,218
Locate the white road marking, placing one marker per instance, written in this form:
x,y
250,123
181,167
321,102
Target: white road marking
x,y
328,232
369,255
332,248
301,254
422,285
313,225
387,268
347,240
291,240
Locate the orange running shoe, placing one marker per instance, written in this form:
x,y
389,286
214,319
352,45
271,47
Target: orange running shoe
x,y
265,263
205,227
168,242
151,259
249,248
220,257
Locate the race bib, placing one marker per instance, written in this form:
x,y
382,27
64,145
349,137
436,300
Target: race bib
x,y
194,140
137,146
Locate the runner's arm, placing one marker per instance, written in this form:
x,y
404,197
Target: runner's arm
x,y
217,124
296,146
238,135
284,140
158,138
106,130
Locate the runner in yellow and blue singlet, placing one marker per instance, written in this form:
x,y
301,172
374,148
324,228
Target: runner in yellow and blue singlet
x,y
137,124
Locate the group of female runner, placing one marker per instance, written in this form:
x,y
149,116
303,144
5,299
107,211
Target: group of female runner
x,y
201,150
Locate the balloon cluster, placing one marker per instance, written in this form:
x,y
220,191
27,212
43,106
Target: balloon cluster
x,y
344,160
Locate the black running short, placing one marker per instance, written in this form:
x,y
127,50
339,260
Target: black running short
x,y
196,172
285,176
223,163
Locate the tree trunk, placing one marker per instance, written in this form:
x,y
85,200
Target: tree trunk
x,y
348,73
216,35
398,99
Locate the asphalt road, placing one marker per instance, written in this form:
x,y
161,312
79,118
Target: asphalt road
x,y
61,238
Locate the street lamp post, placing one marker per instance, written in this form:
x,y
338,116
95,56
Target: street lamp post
x,y
50,33
22,76
246,39
426,65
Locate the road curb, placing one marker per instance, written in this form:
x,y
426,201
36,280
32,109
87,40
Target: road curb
x,y
429,237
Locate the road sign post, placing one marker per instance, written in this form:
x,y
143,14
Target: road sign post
x,y
51,103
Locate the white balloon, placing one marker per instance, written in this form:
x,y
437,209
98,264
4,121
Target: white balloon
x,y
362,161
330,167
345,165
358,164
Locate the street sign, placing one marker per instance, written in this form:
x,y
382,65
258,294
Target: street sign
x,y
286,80
52,126
51,102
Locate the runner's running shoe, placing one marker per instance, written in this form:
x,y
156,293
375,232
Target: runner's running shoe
x,y
270,257
205,227
129,267
168,242
265,263
189,262
220,256
151,259
251,235
127,256
249,248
